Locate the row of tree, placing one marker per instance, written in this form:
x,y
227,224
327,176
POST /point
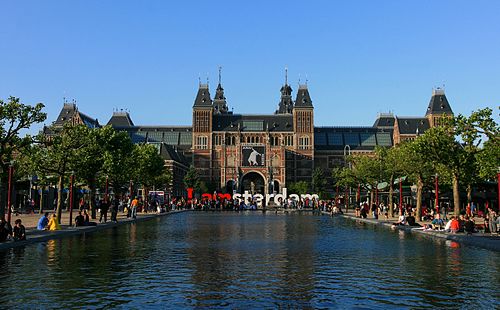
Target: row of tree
x,y
462,152
93,155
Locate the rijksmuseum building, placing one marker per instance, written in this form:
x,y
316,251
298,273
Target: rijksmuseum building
x,y
262,153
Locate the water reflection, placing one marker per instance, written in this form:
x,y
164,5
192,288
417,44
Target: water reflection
x,y
248,261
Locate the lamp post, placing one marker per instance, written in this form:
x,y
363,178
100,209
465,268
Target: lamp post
x,y
498,181
400,196
9,193
436,189
106,190
71,199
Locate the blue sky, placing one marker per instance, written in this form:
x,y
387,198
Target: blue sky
x,y
360,57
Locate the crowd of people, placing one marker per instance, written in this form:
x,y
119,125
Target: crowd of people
x,y
434,220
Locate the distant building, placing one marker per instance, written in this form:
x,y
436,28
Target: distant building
x,y
263,153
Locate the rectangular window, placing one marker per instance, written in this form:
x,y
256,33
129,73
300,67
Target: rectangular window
x,y
384,139
253,126
186,138
202,142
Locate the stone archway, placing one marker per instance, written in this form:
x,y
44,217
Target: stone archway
x,y
254,183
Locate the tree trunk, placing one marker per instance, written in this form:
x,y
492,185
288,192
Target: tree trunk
x,y
391,192
60,185
93,212
420,186
469,193
372,194
456,195
41,199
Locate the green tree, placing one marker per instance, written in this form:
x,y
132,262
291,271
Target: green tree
x,y
319,182
192,179
148,165
300,187
53,157
15,117
416,167
443,151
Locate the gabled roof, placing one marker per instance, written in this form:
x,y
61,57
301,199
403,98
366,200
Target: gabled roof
x,y
235,122
303,99
168,152
203,97
69,112
384,120
412,125
120,119
439,104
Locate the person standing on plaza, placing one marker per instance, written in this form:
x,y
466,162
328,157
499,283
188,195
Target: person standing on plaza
x,y
54,223
115,204
104,210
43,222
133,207
19,231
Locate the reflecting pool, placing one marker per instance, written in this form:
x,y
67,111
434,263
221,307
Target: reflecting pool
x,y
248,260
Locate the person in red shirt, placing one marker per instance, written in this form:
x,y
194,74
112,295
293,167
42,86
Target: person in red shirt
x,y
455,225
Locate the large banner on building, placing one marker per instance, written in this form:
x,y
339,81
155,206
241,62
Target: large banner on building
x,y
253,156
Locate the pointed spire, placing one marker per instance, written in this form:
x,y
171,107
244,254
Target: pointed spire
x,y
220,104
286,103
286,75
220,69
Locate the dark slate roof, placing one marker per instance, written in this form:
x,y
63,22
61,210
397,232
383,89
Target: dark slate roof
x,y
168,152
179,136
286,103
409,125
69,111
203,97
235,122
303,99
120,119
358,138
384,120
439,104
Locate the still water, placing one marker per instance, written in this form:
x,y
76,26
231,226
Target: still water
x,y
248,260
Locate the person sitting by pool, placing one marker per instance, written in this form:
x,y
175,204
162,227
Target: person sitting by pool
x,y
363,213
5,230
86,221
410,219
469,225
437,222
401,221
19,231
454,225
79,220
43,222
54,223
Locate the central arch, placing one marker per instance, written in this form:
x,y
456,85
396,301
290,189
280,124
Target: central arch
x,y
253,182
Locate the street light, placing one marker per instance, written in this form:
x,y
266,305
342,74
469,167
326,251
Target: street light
x,y
498,181
347,148
71,199
9,193
400,196
436,189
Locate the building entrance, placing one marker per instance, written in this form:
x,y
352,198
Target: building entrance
x,y
253,183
